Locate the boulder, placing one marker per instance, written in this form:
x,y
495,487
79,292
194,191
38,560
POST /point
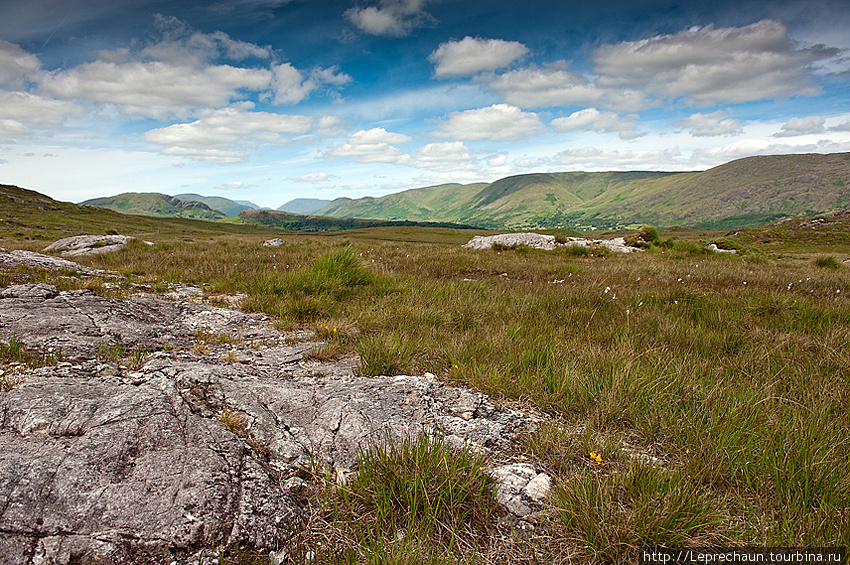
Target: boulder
x,y
89,244
545,242
276,242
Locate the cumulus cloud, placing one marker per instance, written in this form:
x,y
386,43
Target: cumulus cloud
x,y
444,156
223,135
177,74
236,185
376,145
291,86
592,119
841,127
155,89
499,122
13,129
394,18
34,109
16,65
708,65
708,125
592,158
470,56
801,126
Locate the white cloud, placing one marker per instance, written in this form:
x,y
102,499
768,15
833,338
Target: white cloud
x,y
594,159
16,65
290,86
34,109
536,87
841,127
155,89
373,146
499,122
180,45
395,18
593,120
709,65
444,156
470,56
314,178
176,75
13,129
801,126
235,185
708,125
222,135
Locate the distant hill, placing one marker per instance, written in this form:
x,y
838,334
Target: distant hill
x,y
156,204
224,205
299,222
745,192
304,205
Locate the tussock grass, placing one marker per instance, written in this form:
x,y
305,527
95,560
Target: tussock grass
x,y
730,370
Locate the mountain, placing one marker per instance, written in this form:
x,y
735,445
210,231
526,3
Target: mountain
x,y
741,193
224,205
300,222
155,204
304,205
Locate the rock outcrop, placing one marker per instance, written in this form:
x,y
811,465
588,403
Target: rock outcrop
x,y
170,455
545,242
89,244
11,259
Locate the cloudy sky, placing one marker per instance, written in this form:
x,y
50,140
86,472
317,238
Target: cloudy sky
x,y
269,100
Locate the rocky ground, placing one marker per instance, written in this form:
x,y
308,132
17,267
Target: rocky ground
x,y
166,430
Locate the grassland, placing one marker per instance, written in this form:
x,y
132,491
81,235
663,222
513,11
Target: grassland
x,y
712,389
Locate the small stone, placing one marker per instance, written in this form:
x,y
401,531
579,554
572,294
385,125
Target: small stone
x,y
538,488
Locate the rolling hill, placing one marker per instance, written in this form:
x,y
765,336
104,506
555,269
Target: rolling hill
x,y
741,193
224,205
304,205
156,204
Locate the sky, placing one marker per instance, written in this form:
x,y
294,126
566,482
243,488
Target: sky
x,y
270,100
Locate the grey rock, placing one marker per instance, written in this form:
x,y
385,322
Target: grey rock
x,y
276,242
102,463
546,242
97,467
11,259
713,247
520,488
89,244
79,323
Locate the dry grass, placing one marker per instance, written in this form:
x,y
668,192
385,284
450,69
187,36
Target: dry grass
x,y
730,370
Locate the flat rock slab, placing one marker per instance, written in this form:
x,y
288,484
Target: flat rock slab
x,y
89,244
79,323
103,463
545,242
11,259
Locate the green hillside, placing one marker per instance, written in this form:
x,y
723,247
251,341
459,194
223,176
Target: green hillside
x,y
224,205
745,192
156,204
304,205
304,223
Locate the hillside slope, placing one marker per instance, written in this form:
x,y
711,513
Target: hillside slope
x,y
740,193
224,205
156,204
303,205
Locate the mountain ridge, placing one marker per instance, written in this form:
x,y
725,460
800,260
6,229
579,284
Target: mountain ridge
x,y
749,190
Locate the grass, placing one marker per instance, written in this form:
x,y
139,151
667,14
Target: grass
x,y
730,371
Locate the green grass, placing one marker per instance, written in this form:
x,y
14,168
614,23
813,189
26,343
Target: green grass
x,y
730,370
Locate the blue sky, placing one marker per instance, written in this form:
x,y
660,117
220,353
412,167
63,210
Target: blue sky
x,y
269,100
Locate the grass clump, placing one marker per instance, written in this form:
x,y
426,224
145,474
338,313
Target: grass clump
x,y
609,517
421,484
411,501
827,262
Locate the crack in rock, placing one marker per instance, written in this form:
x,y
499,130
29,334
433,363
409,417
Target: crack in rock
x,y
104,463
